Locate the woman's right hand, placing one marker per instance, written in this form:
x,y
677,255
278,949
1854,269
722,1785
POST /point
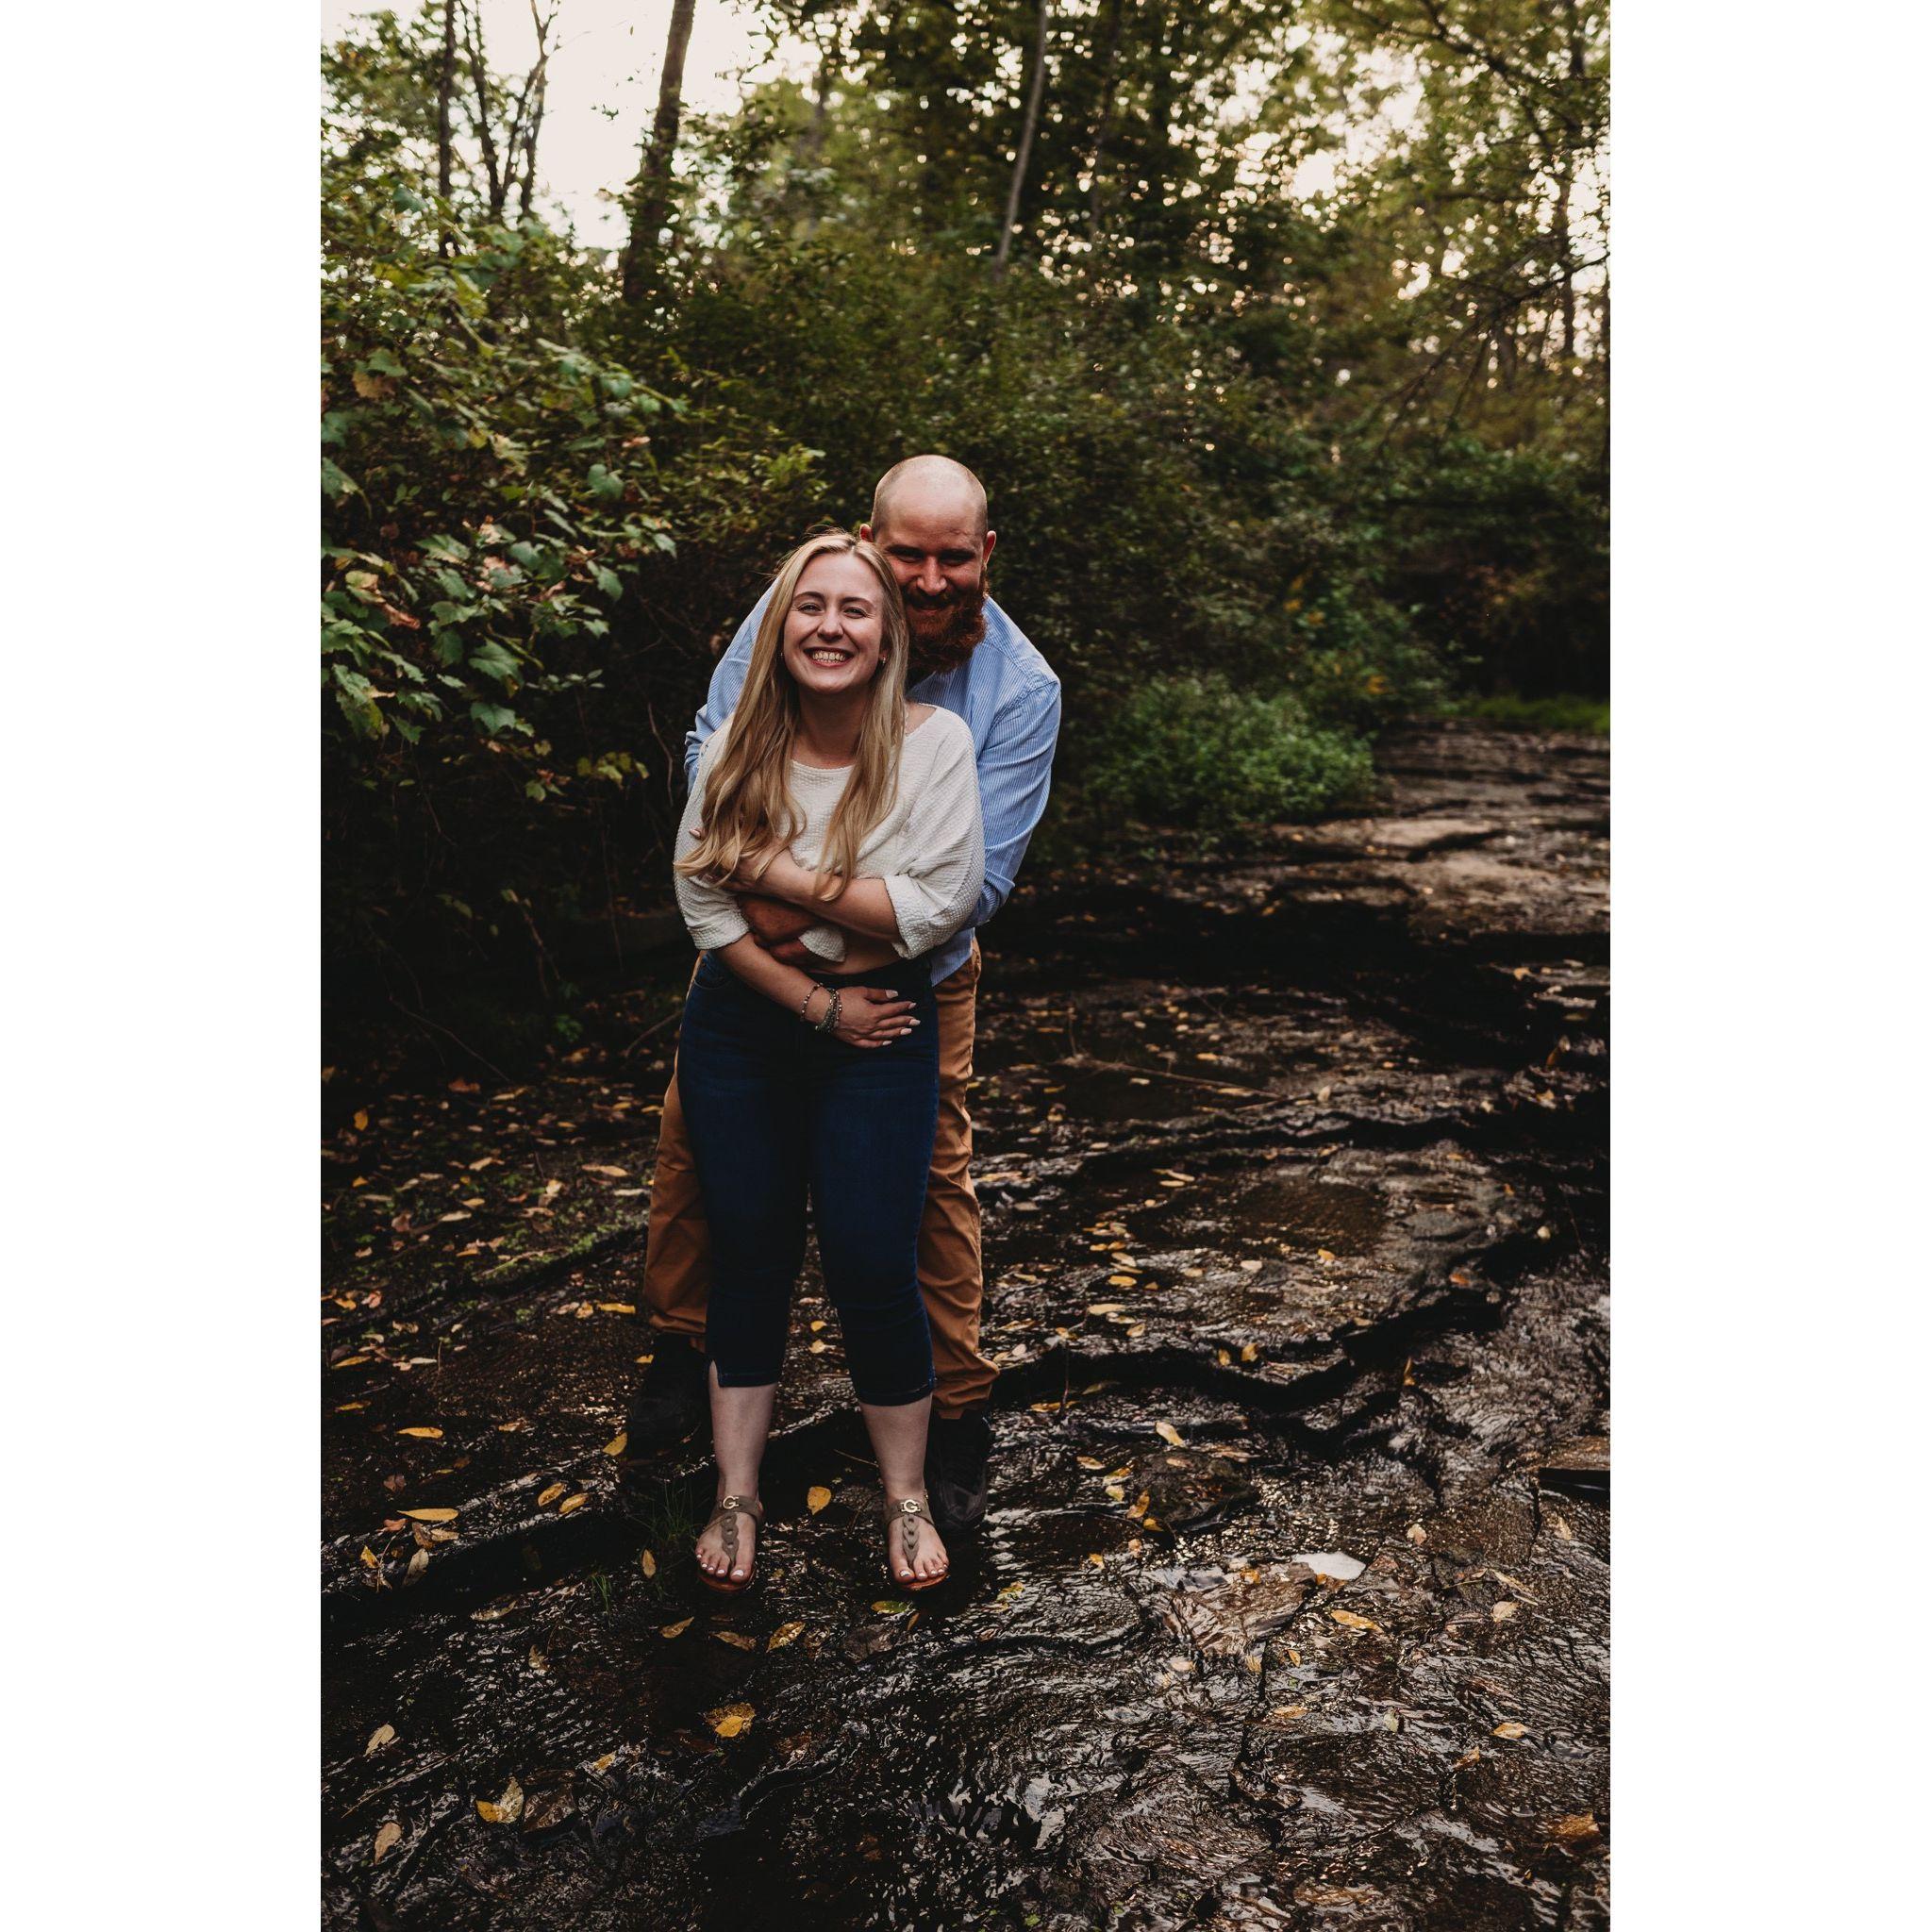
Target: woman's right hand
x,y
873,1016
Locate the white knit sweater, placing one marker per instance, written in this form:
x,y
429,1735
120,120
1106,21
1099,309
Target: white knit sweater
x,y
930,848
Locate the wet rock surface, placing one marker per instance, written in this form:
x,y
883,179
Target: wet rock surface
x,y
1291,1607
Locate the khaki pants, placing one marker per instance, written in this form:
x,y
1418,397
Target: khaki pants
x,y
677,1254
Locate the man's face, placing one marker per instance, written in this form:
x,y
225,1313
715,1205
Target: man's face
x,y
939,555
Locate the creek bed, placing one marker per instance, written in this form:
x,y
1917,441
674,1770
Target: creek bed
x,y
1291,1604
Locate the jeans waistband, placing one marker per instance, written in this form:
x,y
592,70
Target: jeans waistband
x,y
904,977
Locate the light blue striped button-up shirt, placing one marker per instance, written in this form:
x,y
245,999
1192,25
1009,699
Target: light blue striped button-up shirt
x,y
1010,700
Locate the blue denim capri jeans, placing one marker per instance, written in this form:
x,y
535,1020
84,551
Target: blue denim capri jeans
x,y
778,1114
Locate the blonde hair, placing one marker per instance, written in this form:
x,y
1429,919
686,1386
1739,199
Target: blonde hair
x,y
748,802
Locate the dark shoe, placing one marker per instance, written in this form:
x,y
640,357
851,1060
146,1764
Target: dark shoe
x,y
955,1453
671,1400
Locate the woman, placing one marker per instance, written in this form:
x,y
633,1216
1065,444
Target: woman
x,y
824,785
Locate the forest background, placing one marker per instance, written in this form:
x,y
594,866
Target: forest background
x,y
1280,333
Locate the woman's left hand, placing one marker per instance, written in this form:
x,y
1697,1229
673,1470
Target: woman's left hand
x,y
874,1016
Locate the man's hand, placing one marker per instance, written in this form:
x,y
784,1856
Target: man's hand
x,y
777,926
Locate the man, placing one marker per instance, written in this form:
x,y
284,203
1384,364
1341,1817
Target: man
x,y
929,517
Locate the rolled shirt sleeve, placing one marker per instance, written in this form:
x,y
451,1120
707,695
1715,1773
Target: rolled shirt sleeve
x,y
936,892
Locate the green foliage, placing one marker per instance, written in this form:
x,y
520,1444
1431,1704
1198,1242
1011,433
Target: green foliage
x,y
1194,751
501,513
1291,404
1565,712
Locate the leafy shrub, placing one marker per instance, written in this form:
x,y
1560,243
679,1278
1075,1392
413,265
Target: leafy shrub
x,y
1195,751
1563,712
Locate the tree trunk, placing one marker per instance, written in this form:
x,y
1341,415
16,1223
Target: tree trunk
x,y
530,134
1576,72
1566,261
486,135
1029,128
652,199
534,89
1103,122
810,147
445,88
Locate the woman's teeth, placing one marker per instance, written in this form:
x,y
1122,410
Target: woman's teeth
x,y
828,657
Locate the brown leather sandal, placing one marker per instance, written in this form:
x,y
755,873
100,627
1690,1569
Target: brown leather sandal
x,y
727,1512
908,1512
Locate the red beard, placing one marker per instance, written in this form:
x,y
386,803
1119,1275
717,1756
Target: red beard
x,y
941,637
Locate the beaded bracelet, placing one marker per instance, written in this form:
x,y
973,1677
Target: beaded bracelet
x,y
834,1013
807,1001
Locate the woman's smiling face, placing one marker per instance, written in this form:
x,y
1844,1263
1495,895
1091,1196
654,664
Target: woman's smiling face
x,y
834,629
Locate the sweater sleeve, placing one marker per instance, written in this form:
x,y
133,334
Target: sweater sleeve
x,y
935,891
711,913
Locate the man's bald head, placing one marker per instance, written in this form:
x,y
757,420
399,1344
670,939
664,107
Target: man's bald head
x,y
928,515
928,487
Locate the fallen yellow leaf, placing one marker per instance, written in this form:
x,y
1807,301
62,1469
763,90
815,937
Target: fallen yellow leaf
x,y
675,1629
729,1719
506,1809
569,1503
549,1494
389,1835
384,1734
1510,1730
1168,1433
361,1125
430,1434
1122,1281
1350,1620
617,1308
736,1639
1140,1507
784,1634
817,1497
647,1563
1578,1825
430,1515
1501,1613
617,1444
